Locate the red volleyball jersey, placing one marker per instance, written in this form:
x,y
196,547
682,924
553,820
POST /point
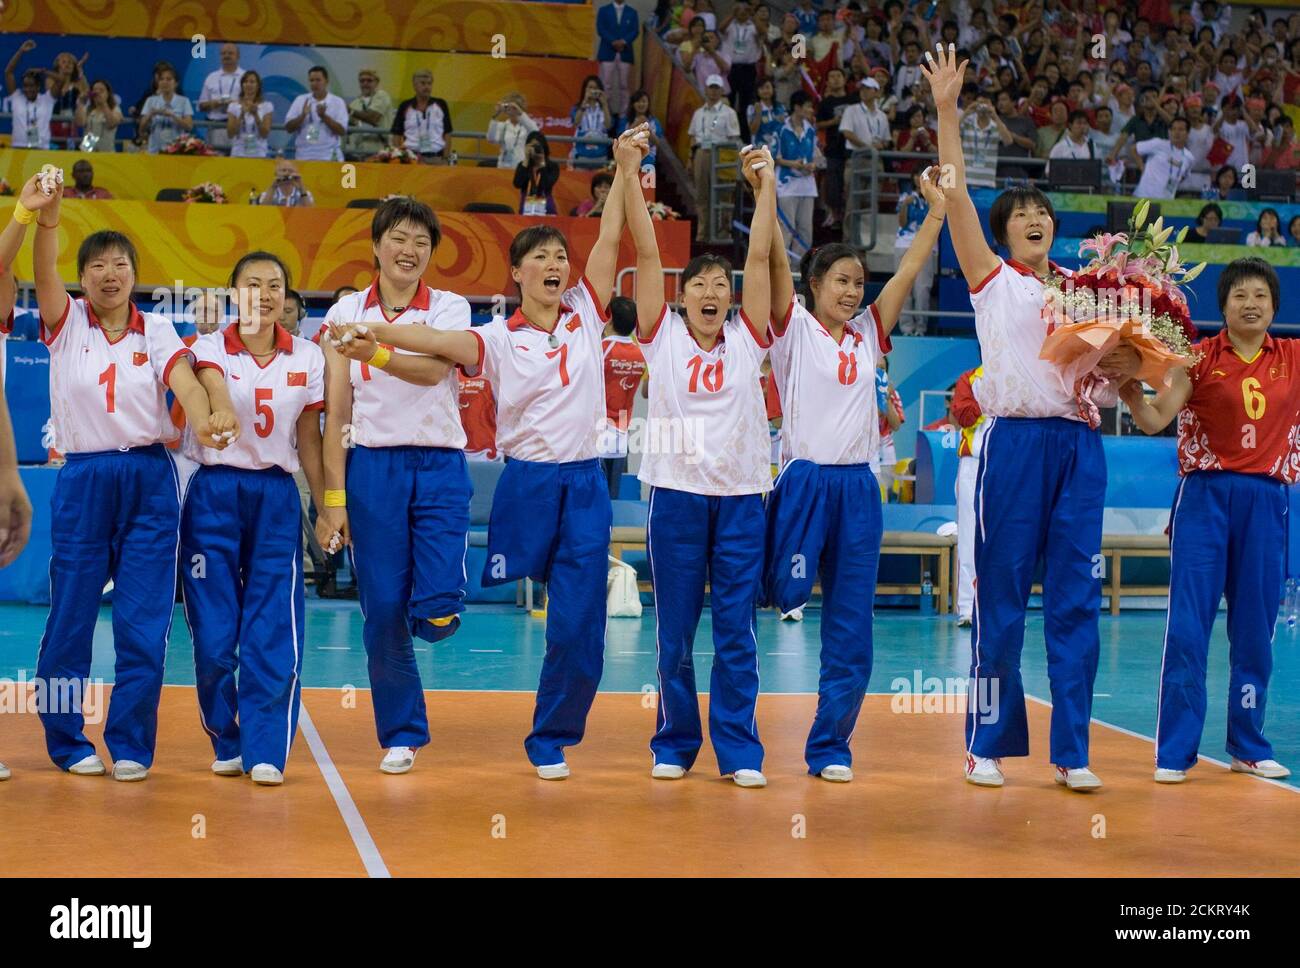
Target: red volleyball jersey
x,y
624,367
478,415
1243,415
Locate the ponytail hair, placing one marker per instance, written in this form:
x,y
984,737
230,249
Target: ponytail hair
x,y
818,261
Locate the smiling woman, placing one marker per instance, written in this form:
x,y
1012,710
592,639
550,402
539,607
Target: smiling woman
x,y
1042,473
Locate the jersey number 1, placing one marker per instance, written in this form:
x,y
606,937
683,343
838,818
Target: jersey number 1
x,y
563,354
108,379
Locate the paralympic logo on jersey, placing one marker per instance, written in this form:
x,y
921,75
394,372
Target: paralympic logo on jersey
x,y
950,695
53,695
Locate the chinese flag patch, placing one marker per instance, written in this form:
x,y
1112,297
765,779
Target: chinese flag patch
x,y
298,379
139,359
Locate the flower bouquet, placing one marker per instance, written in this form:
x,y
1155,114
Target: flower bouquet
x,y
1128,295
660,212
187,144
396,156
209,192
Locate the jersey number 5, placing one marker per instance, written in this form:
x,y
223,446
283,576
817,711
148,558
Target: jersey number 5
x,y
261,403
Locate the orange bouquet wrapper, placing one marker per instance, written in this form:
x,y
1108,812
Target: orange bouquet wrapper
x,y
1076,349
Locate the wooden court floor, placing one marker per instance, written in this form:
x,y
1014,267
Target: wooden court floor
x,y
473,806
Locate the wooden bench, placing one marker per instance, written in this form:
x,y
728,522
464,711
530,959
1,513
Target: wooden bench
x,y
1115,548
917,543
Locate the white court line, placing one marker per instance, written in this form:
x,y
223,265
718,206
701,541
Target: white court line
x,y
361,838
334,648
800,653
634,653
1151,740
487,650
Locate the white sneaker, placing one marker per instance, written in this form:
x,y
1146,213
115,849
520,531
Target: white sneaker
x,y
963,621
1271,769
233,767
749,778
4,772
554,771
264,774
92,765
129,771
1080,779
836,773
794,615
1170,776
984,771
399,759
667,771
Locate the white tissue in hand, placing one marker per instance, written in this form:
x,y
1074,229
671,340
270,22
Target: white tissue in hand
x,y
336,542
50,177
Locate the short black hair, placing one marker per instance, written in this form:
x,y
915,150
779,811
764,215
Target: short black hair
x,y
798,99
1077,115
1240,270
404,208
622,315
1012,199
318,70
1183,118
702,264
1210,209
97,243
530,238
1268,211
817,262
342,291
260,255
302,303
601,178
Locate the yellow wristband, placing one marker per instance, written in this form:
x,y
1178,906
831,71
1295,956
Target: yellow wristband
x,y
23,215
336,499
380,359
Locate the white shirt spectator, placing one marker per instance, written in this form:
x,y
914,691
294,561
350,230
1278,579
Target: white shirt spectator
x,y
1237,134
248,142
314,141
712,125
31,119
871,125
164,130
511,135
740,43
218,86
1165,168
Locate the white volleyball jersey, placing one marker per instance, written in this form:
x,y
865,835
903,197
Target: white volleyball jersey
x,y
386,410
550,387
1008,308
268,398
110,396
828,389
706,430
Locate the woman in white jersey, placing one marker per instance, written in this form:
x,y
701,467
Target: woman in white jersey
x,y
1041,481
241,526
706,523
551,511
115,512
397,484
824,514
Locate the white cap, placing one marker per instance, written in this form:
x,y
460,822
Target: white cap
x,y
714,79
871,82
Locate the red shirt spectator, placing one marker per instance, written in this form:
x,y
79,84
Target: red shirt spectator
x,y
478,415
624,368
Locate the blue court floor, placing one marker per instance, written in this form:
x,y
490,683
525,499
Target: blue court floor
x,y
500,648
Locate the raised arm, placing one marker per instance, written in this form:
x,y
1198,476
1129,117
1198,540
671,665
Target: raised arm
x,y
602,263
649,267
51,296
945,75
781,281
889,304
756,301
